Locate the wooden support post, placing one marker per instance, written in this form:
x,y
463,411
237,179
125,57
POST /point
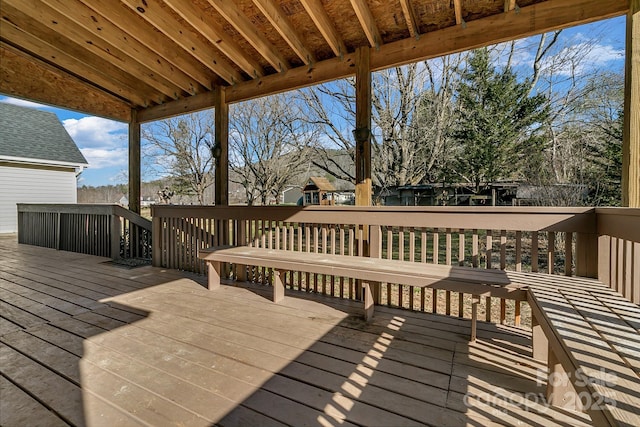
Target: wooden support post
x,y
631,130
362,132
221,147
278,285
539,341
134,163
213,274
241,240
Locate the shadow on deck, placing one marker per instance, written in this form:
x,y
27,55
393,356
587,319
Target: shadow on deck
x,y
86,343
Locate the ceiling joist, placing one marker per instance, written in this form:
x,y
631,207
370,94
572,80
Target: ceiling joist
x,y
509,5
62,25
142,31
156,15
274,14
410,16
243,25
133,49
367,22
216,35
457,6
325,26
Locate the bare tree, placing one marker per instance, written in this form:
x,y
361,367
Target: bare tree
x,y
269,146
181,147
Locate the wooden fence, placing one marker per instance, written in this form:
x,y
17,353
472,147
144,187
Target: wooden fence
x,y
103,230
548,240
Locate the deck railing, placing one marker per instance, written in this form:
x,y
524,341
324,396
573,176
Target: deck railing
x,y
548,240
103,230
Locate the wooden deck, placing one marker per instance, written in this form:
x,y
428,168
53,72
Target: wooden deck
x,y
88,343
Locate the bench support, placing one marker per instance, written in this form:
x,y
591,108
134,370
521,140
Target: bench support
x,y
368,301
213,276
475,300
278,285
539,341
560,391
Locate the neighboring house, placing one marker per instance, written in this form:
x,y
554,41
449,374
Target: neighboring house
x,y
39,162
318,191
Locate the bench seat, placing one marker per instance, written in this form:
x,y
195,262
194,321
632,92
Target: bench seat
x,y
588,334
371,271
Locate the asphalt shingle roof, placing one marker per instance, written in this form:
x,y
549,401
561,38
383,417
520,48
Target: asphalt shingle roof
x,y
36,134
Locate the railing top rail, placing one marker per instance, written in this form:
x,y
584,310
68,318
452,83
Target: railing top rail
x,y
501,218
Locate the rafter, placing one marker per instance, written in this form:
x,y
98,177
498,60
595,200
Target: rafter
x,y
243,25
36,47
509,5
142,31
274,14
64,26
186,38
323,22
135,51
214,32
457,6
410,16
367,22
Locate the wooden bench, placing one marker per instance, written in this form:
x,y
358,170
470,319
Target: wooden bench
x,y
588,334
371,271
590,337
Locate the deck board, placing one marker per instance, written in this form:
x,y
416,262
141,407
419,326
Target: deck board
x,y
88,343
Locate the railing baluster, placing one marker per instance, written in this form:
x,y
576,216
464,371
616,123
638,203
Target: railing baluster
x,y
551,252
448,245
489,249
518,250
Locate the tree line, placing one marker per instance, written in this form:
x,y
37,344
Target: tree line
x,y
475,118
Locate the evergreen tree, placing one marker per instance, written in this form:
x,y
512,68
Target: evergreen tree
x,y
497,132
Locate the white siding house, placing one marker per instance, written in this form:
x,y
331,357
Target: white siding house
x,y
39,162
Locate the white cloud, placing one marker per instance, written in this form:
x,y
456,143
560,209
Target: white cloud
x,y
96,132
582,58
99,158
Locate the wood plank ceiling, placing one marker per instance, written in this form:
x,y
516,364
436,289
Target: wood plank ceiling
x,y
105,57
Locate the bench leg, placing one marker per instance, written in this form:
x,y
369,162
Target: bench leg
x,y
278,286
560,391
539,341
241,273
475,300
368,301
213,274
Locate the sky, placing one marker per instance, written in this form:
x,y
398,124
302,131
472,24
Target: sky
x,y
104,142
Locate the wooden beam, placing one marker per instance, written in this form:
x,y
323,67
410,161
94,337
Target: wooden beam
x,y
222,141
185,37
33,45
59,23
134,162
247,29
631,130
182,106
275,15
457,7
144,32
362,132
410,16
367,22
54,87
214,32
534,19
327,29
509,5
135,51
